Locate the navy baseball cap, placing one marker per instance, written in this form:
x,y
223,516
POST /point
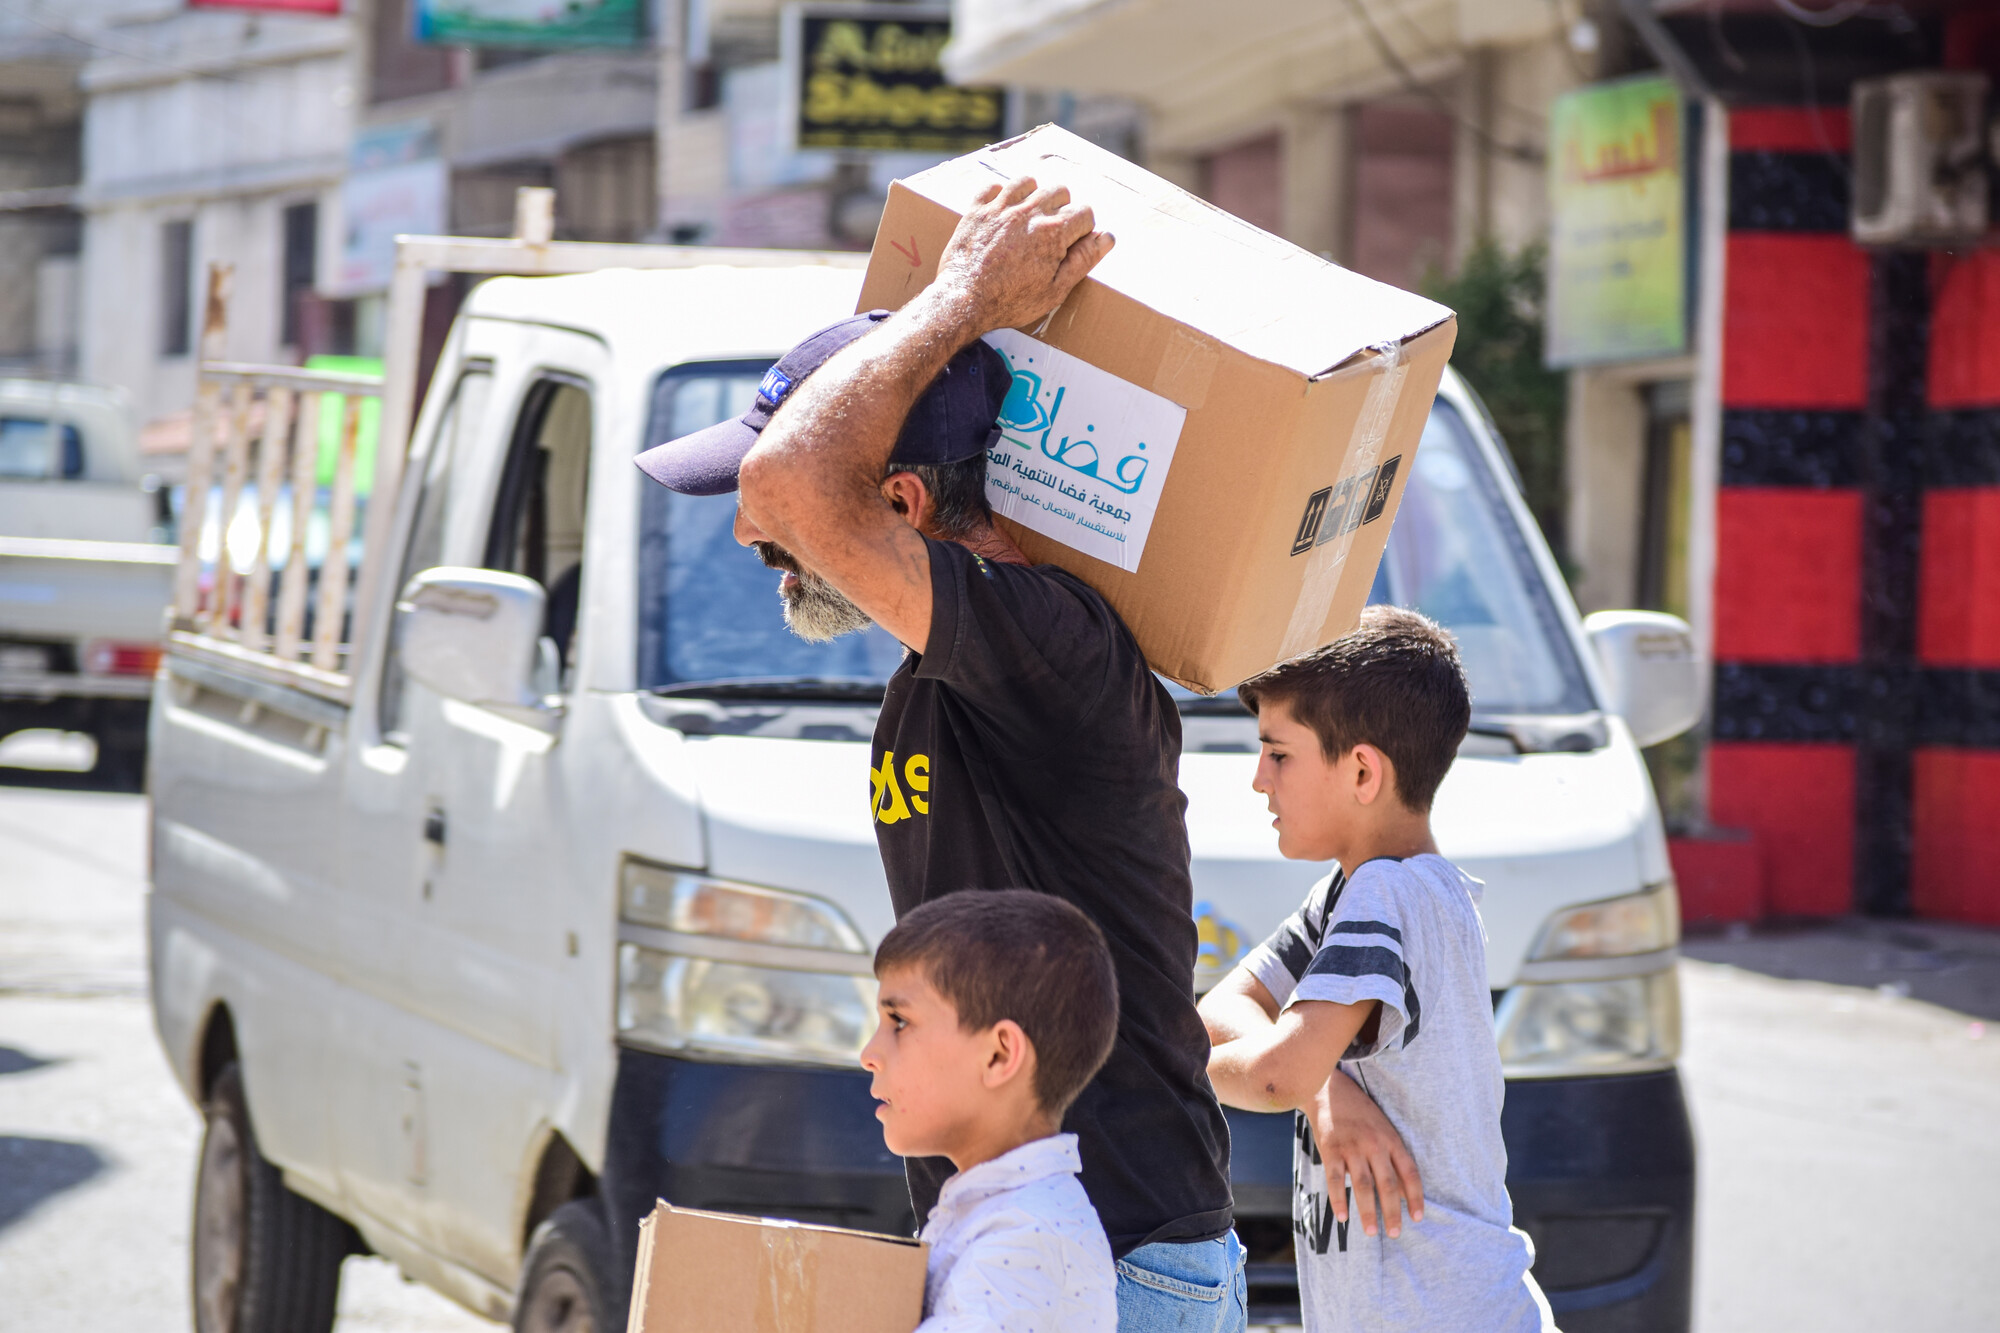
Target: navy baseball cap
x,y
953,421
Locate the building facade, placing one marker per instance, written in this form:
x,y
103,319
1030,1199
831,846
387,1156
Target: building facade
x,y
44,47
1392,136
208,136
1810,484
1855,753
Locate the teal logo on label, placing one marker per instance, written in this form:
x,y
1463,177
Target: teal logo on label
x,y
1024,414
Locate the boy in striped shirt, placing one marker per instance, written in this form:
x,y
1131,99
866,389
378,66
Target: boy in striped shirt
x,y
1380,977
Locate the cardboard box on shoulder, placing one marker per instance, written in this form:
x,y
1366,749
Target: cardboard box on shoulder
x,y
1214,430
702,1272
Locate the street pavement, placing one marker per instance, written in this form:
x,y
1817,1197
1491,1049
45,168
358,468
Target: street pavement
x,y
1845,1114
97,1142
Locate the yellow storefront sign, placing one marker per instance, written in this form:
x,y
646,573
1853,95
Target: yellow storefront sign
x,y
1618,245
870,79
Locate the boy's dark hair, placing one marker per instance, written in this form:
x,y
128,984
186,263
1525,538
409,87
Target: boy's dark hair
x,y
1013,953
1394,682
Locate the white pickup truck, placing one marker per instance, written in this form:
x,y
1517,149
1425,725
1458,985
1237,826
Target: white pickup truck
x,y
84,576
565,900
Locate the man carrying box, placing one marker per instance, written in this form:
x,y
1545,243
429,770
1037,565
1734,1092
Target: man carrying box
x,y
1023,742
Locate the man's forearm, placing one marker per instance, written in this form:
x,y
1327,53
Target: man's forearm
x,y
830,443
818,483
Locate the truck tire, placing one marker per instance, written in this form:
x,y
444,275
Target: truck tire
x,y
265,1259
565,1278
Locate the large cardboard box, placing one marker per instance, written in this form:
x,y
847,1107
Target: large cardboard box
x,y
708,1272
1215,429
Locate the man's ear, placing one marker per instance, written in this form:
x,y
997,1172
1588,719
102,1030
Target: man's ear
x,y
1372,778
910,498
1009,1056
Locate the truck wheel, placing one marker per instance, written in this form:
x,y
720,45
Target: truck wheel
x,y
563,1279
265,1259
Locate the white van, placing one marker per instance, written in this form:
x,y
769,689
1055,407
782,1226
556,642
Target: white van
x,y
570,905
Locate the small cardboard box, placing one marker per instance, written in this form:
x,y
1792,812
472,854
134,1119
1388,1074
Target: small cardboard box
x,y
709,1272
1215,429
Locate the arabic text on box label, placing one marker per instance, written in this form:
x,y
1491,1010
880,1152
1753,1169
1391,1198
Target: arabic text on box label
x,y
1083,455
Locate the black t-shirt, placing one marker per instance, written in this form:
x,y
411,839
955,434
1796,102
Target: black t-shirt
x,y
1030,747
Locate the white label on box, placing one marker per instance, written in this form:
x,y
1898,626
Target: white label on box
x,y
1083,455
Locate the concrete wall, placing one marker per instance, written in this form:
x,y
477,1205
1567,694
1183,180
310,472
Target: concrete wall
x,y
267,125
1606,437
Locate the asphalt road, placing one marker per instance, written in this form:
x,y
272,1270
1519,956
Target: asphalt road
x,y
97,1143
1846,1116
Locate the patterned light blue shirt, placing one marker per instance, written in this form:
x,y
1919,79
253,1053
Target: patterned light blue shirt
x,y
1016,1246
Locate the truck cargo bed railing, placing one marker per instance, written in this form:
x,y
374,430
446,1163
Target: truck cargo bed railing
x,y
261,428
231,614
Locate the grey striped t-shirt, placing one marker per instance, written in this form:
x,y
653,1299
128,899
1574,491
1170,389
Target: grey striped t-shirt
x,y
1407,933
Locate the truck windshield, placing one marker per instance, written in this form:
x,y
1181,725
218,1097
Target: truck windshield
x,y
709,619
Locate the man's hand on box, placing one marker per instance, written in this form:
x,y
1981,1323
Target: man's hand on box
x,y
1357,1143
1016,253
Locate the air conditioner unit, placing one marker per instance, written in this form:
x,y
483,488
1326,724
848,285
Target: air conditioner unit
x,y
1920,158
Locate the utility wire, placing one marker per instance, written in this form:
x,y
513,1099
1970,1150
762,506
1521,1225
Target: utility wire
x,y
1831,17
1809,76
1567,25
72,34
1408,78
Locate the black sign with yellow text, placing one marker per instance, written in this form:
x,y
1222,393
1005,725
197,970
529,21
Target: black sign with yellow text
x,y
870,79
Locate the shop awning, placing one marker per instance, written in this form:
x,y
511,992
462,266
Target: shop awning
x,y
1197,62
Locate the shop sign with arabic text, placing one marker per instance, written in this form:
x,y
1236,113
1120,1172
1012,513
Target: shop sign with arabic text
x,y
1618,260
869,78
529,22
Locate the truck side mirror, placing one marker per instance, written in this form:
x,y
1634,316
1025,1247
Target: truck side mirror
x,y
474,635
1651,676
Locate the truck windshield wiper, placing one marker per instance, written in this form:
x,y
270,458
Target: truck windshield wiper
x,y
1214,705
788,688
1535,733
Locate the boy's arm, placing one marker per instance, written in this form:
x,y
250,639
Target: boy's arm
x,y
1356,1141
1239,1005
1279,1067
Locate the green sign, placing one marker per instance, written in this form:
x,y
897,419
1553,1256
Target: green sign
x,y
1618,277
529,22
870,79
333,411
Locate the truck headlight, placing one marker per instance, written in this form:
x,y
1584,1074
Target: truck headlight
x,y
675,900
739,971
676,1003
1598,993
1636,923
1615,1026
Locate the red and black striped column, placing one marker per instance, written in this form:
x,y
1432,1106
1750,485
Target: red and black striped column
x,y
1857,594
1955,787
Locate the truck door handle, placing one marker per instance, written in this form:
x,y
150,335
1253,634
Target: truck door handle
x,y
434,826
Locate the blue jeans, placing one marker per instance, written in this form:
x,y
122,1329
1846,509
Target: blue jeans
x,y
1196,1287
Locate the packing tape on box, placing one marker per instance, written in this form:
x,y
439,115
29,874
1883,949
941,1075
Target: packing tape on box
x,y
785,1291
1341,521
